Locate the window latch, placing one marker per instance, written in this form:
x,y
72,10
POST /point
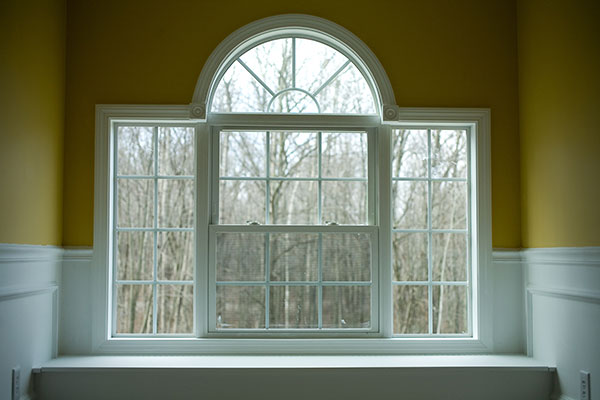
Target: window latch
x,y
250,222
331,223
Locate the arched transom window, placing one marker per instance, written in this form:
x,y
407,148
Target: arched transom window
x,y
293,75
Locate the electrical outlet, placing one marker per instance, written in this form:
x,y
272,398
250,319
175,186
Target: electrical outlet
x,y
584,385
16,383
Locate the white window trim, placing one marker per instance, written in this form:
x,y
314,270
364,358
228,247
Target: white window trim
x,y
482,341
268,28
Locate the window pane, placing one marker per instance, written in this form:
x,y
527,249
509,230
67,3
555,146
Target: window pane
x,y
175,253
293,202
409,200
241,202
346,307
409,153
448,153
346,257
450,309
348,93
272,62
293,307
315,63
294,256
344,154
175,151
240,307
240,257
344,202
135,203
134,309
135,255
175,309
135,150
238,91
293,155
410,257
176,203
449,257
410,309
242,154
285,76
449,205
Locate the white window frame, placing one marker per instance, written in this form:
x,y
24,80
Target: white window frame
x,y
380,341
306,123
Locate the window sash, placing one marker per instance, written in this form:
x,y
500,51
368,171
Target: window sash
x,y
154,230
371,165
373,283
430,283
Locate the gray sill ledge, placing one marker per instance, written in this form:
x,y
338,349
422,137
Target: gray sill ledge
x,y
511,362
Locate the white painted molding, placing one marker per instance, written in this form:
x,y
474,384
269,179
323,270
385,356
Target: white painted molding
x,y
506,256
590,296
15,292
445,115
15,253
270,28
28,253
83,253
141,112
587,256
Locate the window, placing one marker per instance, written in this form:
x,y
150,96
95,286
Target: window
x,y
292,243
431,231
302,208
293,75
153,229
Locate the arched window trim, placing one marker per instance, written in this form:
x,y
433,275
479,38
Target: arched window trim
x,y
300,26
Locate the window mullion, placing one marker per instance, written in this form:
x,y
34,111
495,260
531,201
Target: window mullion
x,y
429,238
115,201
320,177
380,182
268,182
155,237
267,277
206,184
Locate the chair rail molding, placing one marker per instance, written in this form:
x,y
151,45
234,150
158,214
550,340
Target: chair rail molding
x,y
17,253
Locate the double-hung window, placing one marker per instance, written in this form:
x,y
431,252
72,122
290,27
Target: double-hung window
x,y
292,241
294,204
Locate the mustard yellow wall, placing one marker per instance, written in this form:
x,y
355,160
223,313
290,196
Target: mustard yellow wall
x,y
437,53
32,88
559,67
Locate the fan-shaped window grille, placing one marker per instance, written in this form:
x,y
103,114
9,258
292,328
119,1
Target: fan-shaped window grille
x,y
293,75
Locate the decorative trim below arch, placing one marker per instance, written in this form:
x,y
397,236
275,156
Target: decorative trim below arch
x,y
227,49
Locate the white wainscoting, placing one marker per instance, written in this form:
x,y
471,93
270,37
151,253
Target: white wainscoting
x,y
563,314
29,317
509,313
76,302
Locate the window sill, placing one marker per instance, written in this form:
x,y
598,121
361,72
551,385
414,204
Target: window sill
x,y
505,362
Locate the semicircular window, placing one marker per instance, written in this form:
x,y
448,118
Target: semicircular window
x,y
293,75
